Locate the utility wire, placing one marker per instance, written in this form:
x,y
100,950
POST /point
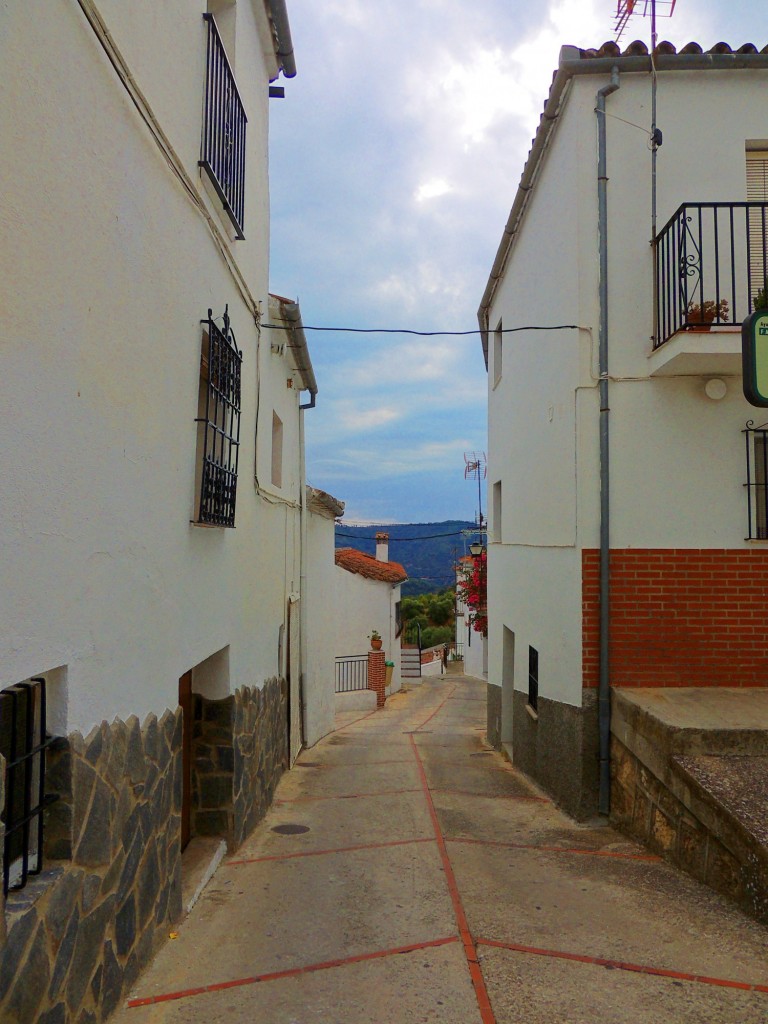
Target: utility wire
x,y
428,334
393,540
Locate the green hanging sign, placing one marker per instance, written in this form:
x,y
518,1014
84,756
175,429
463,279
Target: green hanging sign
x,y
754,358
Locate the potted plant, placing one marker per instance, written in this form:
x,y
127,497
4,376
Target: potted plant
x,y
375,638
700,316
760,300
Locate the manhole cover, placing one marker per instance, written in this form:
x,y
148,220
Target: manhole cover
x,y
290,830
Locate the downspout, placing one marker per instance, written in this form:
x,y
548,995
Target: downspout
x,y
604,686
303,656
285,43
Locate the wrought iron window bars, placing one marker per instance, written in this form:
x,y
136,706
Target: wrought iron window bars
x,y
757,480
220,424
224,121
23,742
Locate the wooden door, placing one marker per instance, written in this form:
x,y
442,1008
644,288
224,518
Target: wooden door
x,y
185,700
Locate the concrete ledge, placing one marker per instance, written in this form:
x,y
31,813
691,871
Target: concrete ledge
x,y
356,700
690,776
198,866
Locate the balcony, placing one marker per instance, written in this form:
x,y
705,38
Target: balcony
x,y
711,261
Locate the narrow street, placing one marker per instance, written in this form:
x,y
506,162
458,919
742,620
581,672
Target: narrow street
x,y
428,881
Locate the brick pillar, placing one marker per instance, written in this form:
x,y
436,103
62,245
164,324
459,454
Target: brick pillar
x,y
377,675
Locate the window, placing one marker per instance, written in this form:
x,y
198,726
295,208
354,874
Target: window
x,y
223,144
277,450
218,420
757,482
533,678
496,512
498,336
23,743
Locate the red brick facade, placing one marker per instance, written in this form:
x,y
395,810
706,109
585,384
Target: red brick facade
x,y
695,617
377,675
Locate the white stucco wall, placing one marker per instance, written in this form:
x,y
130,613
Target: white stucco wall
x,y
110,270
677,457
362,605
322,617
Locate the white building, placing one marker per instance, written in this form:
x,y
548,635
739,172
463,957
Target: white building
x,y
152,466
473,645
605,345
367,598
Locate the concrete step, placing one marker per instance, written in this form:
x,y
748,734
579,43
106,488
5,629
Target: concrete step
x,y
690,779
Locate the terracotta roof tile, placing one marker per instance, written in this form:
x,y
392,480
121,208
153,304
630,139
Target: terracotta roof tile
x,y
365,565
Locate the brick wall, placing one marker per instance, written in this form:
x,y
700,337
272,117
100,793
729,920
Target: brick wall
x,y
679,617
377,675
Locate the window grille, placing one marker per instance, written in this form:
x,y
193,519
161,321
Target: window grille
x,y
223,143
533,678
219,423
757,481
23,743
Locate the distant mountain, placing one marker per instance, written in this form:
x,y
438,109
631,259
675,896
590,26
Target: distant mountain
x,y
427,551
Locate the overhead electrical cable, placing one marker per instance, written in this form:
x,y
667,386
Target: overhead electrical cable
x,y
393,540
431,334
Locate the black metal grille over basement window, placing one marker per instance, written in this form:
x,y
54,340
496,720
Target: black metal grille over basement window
x,y
223,146
533,678
757,480
220,424
23,743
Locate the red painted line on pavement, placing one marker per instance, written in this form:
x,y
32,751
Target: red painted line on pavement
x,y
478,982
293,972
323,853
438,708
494,796
651,858
621,965
343,796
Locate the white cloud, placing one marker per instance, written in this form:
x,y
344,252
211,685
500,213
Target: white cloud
x,y
432,189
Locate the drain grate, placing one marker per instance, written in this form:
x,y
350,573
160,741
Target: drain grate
x,y
290,830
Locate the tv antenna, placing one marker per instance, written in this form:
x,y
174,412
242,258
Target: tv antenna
x,y
476,467
625,9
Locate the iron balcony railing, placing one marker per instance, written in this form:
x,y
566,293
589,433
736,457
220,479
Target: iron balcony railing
x,y
711,262
223,146
352,673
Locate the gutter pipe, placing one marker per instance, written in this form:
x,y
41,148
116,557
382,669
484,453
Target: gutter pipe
x,y
604,686
285,54
298,344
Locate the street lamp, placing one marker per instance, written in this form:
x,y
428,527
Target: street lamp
x,y
475,549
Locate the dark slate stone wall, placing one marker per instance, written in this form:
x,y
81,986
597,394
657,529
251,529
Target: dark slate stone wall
x,y
80,933
212,768
493,733
240,750
560,750
260,752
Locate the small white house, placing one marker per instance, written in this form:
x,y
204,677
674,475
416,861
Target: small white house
x,y
626,470
367,598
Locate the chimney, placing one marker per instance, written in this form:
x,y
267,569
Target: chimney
x,y
382,547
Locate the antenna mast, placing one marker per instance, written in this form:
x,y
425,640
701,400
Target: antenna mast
x,y
475,467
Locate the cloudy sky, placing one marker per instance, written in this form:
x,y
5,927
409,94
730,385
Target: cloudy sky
x,y
394,159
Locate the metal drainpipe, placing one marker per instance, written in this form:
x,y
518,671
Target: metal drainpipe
x,y
604,690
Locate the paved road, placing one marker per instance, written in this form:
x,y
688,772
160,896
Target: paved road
x,y
433,883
